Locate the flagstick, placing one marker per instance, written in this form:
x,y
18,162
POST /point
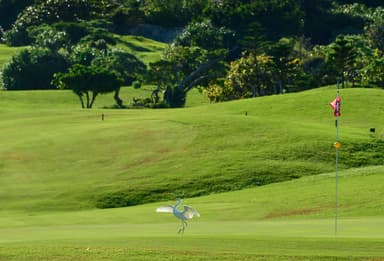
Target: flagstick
x,y
337,174
337,177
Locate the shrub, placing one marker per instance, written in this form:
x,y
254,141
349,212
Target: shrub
x,y
136,84
32,69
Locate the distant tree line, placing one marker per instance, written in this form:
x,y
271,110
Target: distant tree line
x,y
231,49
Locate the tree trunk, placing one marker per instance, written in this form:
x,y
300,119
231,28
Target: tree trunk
x,y
119,101
87,96
94,94
81,99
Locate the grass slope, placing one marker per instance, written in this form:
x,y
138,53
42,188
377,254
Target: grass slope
x,y
56,157
146,49
7,52
284,221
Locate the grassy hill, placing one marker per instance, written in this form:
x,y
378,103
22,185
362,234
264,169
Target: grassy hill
x,y
64,158
58,163
145,49
284,221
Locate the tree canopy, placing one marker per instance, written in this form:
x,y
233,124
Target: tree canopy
x,y
87,82
232,48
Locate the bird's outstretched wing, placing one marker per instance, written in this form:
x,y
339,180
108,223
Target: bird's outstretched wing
x,y
190,212
165,209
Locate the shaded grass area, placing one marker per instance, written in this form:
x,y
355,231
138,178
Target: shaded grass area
x,y
146,49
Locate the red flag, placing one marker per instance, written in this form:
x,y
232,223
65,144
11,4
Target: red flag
x,y
336,104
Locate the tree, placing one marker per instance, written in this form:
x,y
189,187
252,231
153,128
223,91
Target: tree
x,y
33,68
205,35
49,12
9,10
374,71
375,34
287,65
249,76
87,82
343,56
183,68
127,66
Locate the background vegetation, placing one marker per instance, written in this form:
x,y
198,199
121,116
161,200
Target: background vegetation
x,y
232,49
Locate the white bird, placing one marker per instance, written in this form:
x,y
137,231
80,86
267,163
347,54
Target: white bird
x,y
187,213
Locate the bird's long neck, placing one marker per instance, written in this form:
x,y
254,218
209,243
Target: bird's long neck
x,y
178,203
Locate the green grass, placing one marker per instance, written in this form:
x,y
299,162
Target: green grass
x,y
146,49
287,221
68,159
59,162
7,52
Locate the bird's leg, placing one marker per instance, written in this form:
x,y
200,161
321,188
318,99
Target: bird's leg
x,y
182,228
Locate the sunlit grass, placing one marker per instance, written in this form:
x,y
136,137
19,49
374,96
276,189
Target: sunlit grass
x,y
290,221
58,162
63,157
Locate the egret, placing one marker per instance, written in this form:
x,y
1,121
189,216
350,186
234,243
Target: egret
x,y
187,213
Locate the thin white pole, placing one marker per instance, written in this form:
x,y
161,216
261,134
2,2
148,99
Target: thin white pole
x,y
337,170
337,178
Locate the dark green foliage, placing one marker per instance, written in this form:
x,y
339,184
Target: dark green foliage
x,y
182,68
321,23
49,12
84,53
124,18
47,37
313,67
359,154
74,30
136,84
172,13
168,73
343,56
205,35
87,82
131,198
128,66
10,9
80,30
375,34
250,76
32,69
275,18
375,71
372,3
175,97
287,65
125,65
